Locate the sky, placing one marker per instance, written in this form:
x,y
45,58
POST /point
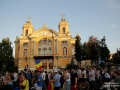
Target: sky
x,y
85,17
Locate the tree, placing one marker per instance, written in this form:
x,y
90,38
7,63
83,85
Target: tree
x,y
71,65
6,54
104,53
93,46
116,58
78,51
85,51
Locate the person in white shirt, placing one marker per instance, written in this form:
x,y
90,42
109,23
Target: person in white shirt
x,y
43,79
91,77
79,72
15,76
84,78
68,82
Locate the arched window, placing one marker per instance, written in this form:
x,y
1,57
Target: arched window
x,y
40,42
26,33
44,51
50,50
49,42
39,50
25,52
45,41
63,30
64,51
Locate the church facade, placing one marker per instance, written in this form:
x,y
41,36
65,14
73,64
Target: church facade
x,y
54,49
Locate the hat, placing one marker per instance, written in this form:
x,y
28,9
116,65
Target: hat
x,y
55,70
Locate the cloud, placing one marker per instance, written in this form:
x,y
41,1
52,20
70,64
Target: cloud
x,y
116,43
113,3
112,26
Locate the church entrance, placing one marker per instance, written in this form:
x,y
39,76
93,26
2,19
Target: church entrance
x,y
47,61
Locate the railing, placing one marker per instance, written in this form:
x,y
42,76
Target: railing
x,y
45,55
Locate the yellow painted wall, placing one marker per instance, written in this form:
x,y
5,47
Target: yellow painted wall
x,y
33,36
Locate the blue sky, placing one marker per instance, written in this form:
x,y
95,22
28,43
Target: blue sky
x,y
86,17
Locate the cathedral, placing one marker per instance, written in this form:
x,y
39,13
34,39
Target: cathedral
x,y
54,49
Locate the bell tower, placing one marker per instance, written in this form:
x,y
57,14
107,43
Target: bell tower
x,y
63,26
27,28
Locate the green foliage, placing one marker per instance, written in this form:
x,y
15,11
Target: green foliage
x,y
105,53
78,51
85,52
6,54
93,46
71,65
116,58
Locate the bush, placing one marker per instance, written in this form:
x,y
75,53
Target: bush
x,y
13,69
69,66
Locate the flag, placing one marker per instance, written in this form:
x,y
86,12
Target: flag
x,y
50,86
38,64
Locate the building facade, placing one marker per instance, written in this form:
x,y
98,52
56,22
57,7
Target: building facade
x,y
54,49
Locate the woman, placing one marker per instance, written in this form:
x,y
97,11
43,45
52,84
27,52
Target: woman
x,y
25,83
68,82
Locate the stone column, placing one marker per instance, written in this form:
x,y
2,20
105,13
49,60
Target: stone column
x,y
47,63
56,46
34,47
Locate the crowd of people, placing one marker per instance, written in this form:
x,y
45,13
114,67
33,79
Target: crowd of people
x,y
74,79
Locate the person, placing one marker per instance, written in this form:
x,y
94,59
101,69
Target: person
x,y
7,87
74,79
39,81
34,78
68,82
84,75
107,76
1,83
56,80
117,79
91,78
79,72
25,83
46,79
43,79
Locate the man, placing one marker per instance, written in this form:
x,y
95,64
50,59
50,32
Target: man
x,y
39,81
28,73
91,77
34,78
117,79
112,73
56,80
74,79
79,72
43,78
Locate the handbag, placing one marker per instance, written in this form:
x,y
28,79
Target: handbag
x,y
23,87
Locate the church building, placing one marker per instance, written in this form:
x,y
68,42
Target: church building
x,y
54,49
